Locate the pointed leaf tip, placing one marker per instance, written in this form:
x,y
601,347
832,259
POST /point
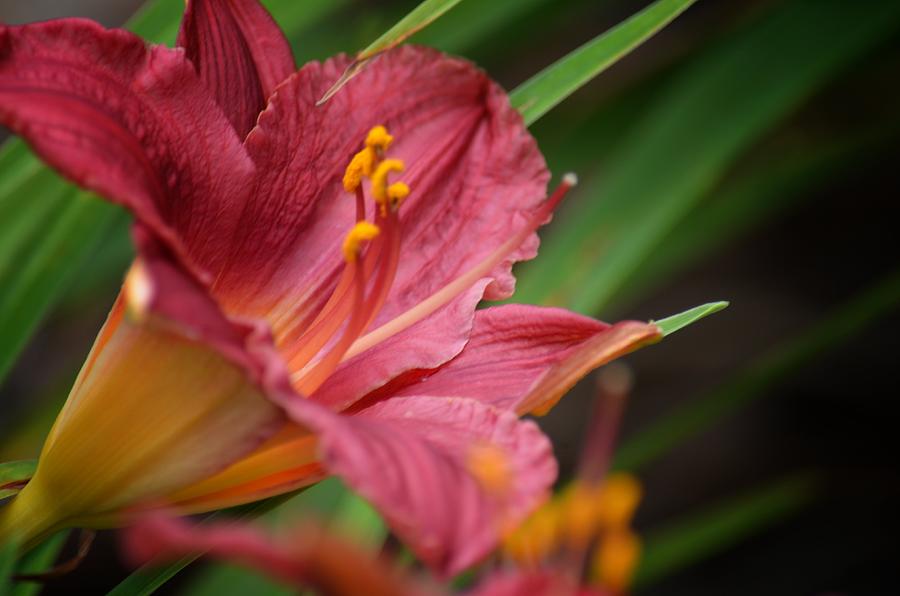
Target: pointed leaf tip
x,y
672,324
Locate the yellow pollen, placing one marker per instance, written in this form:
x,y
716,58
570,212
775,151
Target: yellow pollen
x,y
361,232
361,165
619,499
490,467
397,192
379,178
379,139
581,508
536,538
616,559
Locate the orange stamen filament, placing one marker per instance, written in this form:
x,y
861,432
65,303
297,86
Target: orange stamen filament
x,y
388,270
312,379
335,311
464,281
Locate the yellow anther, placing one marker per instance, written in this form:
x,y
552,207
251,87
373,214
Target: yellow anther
x,y
361,165
536,539
379,178
490,467
619,499
379,139
397,192
615,560
361,232
581,507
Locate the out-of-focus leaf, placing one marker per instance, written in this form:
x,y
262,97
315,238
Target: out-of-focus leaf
x,y
14,474
224,579
37,560
672,324
40,277
539,94
359,522
420,17
695,416
722,103
700,535
8,553
786,177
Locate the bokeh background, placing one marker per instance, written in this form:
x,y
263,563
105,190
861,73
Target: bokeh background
x,y
748,152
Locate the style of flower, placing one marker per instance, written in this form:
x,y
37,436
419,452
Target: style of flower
x,y
272,330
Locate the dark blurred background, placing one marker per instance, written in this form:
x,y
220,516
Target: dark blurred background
x,y
794,385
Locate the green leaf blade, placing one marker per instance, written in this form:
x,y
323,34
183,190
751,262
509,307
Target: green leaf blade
x,y
670,325
14,473
420,17
37,560
700,535
8,554
542,92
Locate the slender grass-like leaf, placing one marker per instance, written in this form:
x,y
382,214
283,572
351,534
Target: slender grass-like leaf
x,y
37,560
672,324
8,553
695,416
722,102
420,17
542,92
13,474
39,279
696,537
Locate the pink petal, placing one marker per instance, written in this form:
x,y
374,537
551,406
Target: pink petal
x,y
240,54
133,123
515,347
421,347
475,172
409,457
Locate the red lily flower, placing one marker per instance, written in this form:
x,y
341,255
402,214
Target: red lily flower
x,y
246,355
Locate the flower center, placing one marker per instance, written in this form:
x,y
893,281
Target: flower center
x,y
371,256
